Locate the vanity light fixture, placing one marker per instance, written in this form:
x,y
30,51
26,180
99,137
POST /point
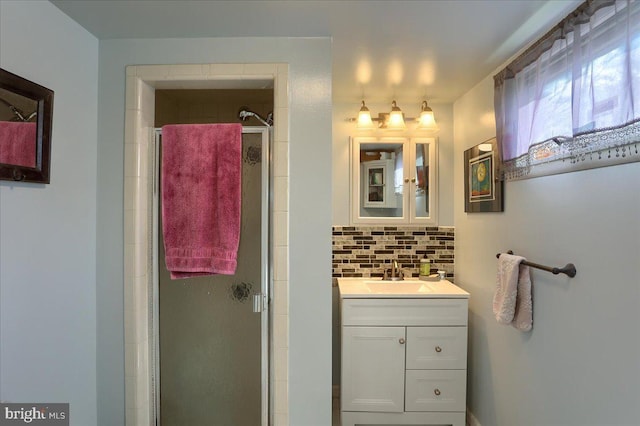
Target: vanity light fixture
x,y
395,120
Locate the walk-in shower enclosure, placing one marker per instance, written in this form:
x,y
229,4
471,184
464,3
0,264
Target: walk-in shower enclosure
x,y
211,357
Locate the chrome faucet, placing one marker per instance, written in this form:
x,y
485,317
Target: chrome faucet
x,y
394,274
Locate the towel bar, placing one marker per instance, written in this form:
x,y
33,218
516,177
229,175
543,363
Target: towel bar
x,y
569,269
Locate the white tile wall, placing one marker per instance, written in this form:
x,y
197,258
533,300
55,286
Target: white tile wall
x,y
140,104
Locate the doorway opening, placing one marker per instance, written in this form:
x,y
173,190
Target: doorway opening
x,y
139,153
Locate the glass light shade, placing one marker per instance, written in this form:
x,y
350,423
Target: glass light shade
x,y
396,120
427,121
364,120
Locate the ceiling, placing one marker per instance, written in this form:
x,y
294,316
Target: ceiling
x,y
436,49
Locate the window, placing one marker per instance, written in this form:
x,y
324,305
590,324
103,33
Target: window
x,y
572,100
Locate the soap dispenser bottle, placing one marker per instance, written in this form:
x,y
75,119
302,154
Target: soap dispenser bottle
x,y
425,266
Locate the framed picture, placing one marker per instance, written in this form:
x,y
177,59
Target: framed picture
x,y
482,183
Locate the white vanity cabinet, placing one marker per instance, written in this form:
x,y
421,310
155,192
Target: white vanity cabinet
x,y
404,360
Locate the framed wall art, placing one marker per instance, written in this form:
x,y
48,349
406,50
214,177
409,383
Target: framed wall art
x,y
482,183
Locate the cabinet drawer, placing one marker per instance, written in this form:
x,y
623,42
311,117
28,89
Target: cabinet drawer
x,y
432,348
404,312
435,390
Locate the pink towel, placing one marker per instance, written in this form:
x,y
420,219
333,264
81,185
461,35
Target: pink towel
x,y
18,143
512,303
201,184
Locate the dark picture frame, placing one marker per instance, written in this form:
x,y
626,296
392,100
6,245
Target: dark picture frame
x,y
14,88
483,186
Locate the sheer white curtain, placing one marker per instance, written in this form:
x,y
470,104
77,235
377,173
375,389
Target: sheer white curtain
x,y
575,94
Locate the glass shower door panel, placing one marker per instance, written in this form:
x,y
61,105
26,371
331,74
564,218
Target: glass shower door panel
x,y
210,338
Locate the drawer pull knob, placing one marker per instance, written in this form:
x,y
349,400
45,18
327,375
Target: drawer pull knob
x,y
401,341
437,392
438,349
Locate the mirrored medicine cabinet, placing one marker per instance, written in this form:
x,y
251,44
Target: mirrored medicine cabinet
x,y
393,180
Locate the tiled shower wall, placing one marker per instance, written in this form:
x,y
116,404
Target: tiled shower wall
x,y
366,251
175,106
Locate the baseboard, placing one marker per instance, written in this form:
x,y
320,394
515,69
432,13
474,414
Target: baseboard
x,y
335,391
471,419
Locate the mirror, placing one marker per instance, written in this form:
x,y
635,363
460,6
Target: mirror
x,y
423,180
25,129
381,171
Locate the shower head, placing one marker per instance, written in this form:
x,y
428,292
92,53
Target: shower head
x,y
19,115
244,114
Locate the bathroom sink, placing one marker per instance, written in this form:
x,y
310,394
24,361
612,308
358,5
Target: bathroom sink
x,y
412,288
399,287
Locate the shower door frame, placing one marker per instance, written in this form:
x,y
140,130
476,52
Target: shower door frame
x,y
261,305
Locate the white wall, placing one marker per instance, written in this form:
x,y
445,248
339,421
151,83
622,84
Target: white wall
x,y
48,232
309,207
579,365
342,130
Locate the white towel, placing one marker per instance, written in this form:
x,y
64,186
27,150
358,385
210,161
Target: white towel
x,y
512,303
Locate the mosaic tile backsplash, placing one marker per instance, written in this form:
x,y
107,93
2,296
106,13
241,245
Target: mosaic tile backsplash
x,y
366,251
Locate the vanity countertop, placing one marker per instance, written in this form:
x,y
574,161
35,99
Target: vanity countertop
x,y
358,288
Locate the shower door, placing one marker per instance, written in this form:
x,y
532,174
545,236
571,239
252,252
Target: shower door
x,y
212,332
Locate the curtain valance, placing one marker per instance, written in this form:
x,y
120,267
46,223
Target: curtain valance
x,y
574,95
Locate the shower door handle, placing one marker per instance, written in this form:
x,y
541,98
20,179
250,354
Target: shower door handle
x,y
258,303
